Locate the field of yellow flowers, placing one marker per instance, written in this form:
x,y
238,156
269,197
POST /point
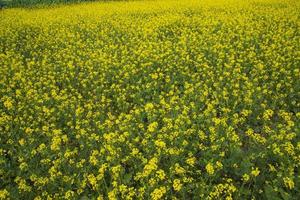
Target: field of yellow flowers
x,y
151,100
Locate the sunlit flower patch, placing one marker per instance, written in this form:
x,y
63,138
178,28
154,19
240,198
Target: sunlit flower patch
x,y
151,100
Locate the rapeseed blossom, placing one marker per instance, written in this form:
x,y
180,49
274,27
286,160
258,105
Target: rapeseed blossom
x,y
289,183
255,172
177,185
158,193
210,169
152,127
150,100
4,194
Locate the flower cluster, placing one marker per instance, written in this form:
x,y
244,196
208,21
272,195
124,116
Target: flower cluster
x,y
151,100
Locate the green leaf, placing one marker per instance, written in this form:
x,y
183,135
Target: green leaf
x,y
270,193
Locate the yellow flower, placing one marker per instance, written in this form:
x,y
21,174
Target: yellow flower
x,y
69,194
255,172
135,151
93,158
4,194
112,195
271,168
210,169
158,193
267,114
28,130
160,144
191,161
154,76
228,198
219,165
161,174
22,141
56,142
115,171
100,197
152,127
23,166
22,185
150,166
177,185
8,104
246,177
93,181
149,107
179,169
126,105
289,183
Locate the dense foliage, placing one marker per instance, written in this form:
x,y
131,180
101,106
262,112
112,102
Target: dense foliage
x,y
151,100
40,3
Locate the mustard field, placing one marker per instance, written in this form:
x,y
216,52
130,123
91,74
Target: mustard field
x,y
151,100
